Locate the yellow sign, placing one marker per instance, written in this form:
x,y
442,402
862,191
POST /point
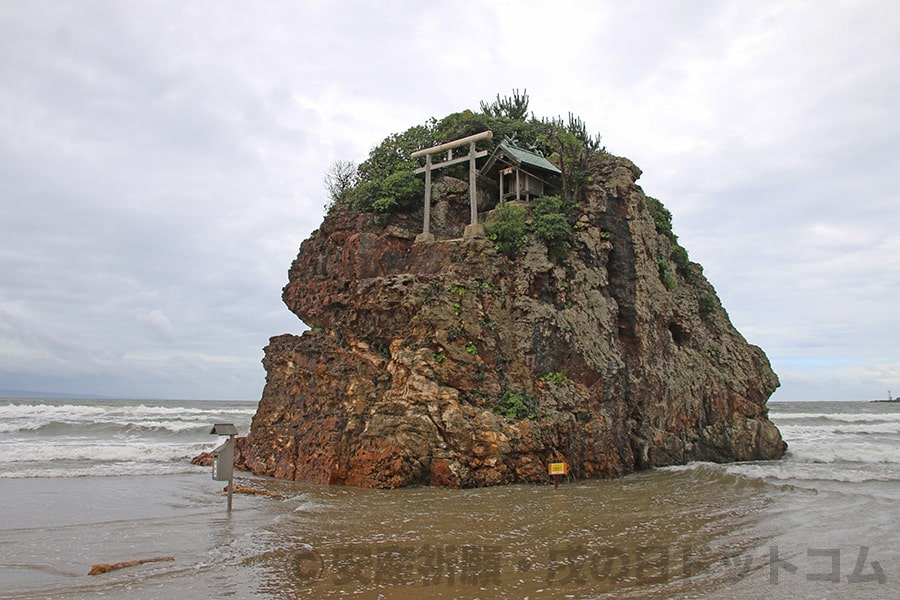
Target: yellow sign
x,y
559,468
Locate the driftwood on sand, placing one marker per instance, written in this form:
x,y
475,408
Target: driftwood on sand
x,y
107,567
252,491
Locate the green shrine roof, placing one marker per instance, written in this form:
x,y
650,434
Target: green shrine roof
x,y
525,157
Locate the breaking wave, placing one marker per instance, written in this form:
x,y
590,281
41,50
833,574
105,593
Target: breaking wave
x,y
109,438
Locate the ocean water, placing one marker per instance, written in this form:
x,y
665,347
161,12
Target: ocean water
x,y
82,438
101,481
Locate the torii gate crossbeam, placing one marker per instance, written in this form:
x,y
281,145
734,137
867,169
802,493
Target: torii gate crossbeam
x,y
471,229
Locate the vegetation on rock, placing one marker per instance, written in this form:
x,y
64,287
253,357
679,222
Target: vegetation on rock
x,y
662,218
557,377
384,183
506,228
550,225
517,405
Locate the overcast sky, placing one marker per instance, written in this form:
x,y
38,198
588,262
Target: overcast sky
x,y
160,163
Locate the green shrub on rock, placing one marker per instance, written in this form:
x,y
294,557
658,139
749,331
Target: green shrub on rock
x,y
506,228
516,405
707,305
549,224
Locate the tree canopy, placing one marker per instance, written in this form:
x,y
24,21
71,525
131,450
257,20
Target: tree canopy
x,y
385,181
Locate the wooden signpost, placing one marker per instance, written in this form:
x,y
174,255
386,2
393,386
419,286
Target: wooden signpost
x,y
223,457
556,470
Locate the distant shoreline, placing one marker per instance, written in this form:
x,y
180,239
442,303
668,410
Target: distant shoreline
x,y
31,395
48,395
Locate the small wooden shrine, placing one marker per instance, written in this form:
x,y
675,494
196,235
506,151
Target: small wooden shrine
x,y
522,174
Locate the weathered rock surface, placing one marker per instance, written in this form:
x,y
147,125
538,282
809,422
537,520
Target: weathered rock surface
x,y
412,345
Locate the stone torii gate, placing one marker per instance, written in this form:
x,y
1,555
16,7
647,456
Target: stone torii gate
x,y
473,229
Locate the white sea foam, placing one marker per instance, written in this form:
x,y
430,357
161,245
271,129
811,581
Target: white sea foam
x,y
825,431
844,452
101,470
79,412
786,471
167,425
49,411
100,452
123,425
854,446
48,439
13,427
832,416
32,417
79,459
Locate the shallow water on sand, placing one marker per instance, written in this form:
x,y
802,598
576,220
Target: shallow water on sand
x,y
639,533
816,524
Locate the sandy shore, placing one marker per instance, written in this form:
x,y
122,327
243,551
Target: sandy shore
x,y
55,529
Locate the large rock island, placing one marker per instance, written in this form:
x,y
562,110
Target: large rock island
x,y
453,363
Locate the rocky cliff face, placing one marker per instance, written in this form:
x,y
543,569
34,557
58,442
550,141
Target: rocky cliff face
x,y
592,359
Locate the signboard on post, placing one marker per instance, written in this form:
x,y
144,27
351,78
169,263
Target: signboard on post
x,y
223,461
556,470
559,468
223,457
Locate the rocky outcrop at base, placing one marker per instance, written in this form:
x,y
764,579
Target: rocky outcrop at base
x,y
448,363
